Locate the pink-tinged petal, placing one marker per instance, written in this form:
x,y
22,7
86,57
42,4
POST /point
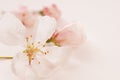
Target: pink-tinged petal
x,y
46,11
70,35
23,8
52,11
55,6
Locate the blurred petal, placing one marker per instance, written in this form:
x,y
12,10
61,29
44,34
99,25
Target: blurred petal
x,y
27,17
11,30
36,71
46,28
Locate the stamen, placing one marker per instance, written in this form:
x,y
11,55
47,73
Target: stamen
x,y
32,43
31,36
38,62
44,45
27,39
32,49
38,42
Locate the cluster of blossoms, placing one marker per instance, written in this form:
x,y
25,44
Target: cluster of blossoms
x,y
46,26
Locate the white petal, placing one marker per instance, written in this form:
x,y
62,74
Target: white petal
x,y
12,31
46,28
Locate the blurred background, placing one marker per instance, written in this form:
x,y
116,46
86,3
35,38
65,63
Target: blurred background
x,y
100,20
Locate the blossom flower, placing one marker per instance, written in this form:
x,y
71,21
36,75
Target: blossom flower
x,y
28,18
69,35
26,64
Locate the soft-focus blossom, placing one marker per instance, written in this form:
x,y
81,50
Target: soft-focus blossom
x,y
70,35
28,18
52,11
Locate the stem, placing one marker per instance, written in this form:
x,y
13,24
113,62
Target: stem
x,y
6,57
51,40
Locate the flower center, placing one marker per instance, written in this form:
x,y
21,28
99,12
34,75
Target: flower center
x,y
33,48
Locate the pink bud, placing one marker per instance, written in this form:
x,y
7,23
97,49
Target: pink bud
x,y
52,11
70,35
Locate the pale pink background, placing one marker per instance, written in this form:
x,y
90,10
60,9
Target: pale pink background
x,y
99,58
